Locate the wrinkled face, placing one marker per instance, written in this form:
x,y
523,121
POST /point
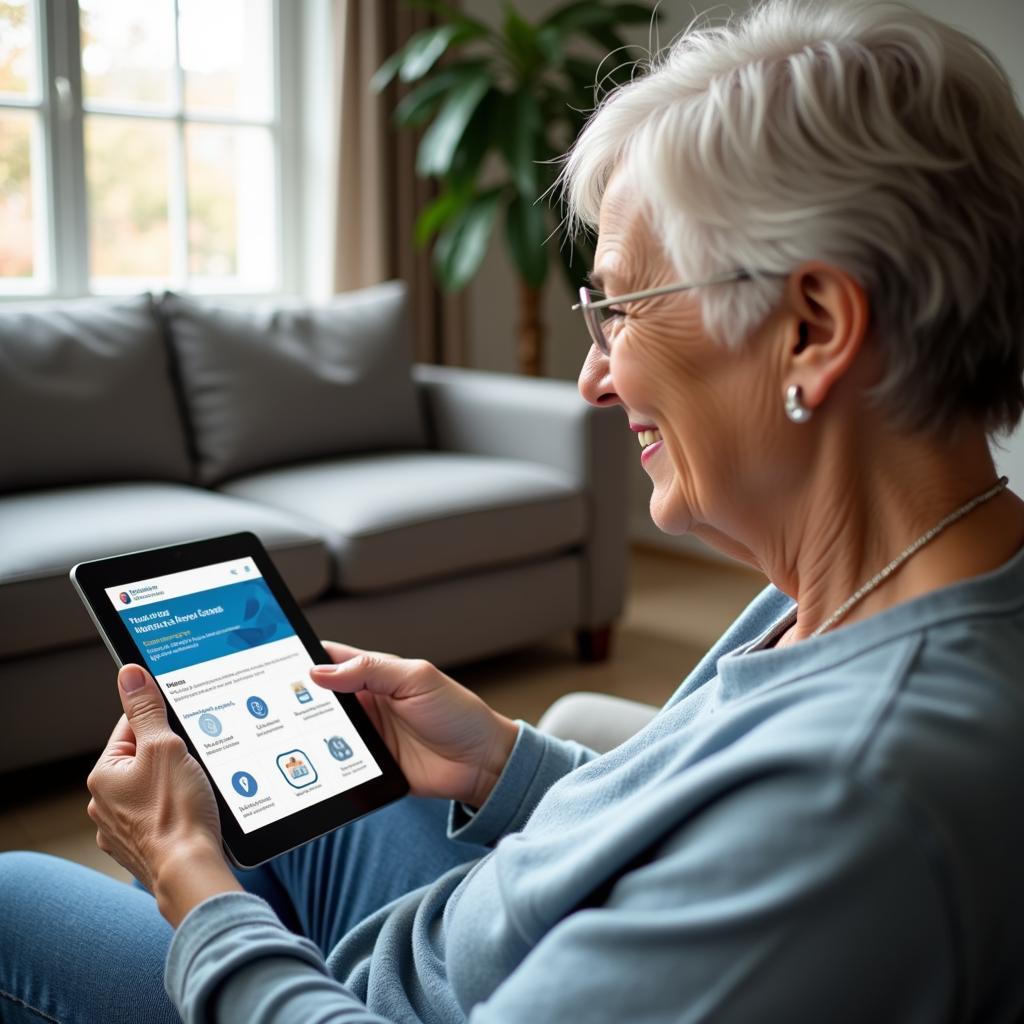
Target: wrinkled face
x,y
717,411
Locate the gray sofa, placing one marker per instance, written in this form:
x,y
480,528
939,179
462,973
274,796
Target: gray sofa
x,y
436,512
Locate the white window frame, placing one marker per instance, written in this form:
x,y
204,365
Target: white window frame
x,y
59,183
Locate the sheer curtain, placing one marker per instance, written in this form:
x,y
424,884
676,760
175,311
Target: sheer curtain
x,y
378,193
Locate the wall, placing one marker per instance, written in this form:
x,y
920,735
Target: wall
x,y
492,301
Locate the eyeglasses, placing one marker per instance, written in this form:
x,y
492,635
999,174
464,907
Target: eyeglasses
x,y
602,321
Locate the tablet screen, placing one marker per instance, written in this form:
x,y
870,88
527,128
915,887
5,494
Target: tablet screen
x,y
230,664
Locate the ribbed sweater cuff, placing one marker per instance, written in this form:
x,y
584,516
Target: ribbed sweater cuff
x,y
536,763
219,936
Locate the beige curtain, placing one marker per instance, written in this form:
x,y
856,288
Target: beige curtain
x,y
379,195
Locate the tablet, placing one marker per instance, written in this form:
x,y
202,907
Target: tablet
x,y
231,652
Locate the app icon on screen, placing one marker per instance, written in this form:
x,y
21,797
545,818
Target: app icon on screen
x,y
257,707
297,768
210,724
338,748
244,784
301,693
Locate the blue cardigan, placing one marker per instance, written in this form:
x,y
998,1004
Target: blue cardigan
x,y
829,831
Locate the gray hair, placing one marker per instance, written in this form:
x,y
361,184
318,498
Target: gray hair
x,y
867,135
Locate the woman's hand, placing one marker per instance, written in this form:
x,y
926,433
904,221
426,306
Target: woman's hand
x,y
154,810
448,742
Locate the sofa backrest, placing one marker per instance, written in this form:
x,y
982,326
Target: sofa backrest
x,y
282,383
85,395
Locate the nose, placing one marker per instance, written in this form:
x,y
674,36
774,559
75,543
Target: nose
x,y
595,382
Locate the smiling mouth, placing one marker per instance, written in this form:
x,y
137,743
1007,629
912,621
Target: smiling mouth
x,y
648,437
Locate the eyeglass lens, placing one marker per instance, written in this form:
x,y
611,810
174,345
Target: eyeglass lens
x,y
595,319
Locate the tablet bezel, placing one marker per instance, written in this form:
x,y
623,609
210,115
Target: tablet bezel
x,y
245,849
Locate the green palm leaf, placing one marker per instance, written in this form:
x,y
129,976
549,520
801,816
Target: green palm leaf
x,y
422,52
448,205
424,49
520,140
520,91
461,246
440,141
423,101
526,232
578,15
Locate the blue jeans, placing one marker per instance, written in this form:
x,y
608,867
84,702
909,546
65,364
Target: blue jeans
x,y
76,945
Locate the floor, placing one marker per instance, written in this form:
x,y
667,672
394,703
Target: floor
x,y
675,610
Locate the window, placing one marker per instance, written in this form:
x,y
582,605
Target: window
x,y
141,145
23,206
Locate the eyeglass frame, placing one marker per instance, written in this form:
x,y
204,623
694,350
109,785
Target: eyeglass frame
x,y
594,327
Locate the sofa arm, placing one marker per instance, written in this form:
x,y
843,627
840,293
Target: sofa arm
x,y
597,720
545,421
528,418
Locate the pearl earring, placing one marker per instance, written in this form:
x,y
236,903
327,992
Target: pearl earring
x,y
795,408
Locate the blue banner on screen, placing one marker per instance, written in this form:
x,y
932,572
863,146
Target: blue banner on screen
x,y
184,631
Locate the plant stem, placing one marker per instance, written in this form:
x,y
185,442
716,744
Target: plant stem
x,y
531,330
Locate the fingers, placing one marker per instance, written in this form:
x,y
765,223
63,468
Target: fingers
x,y
121,742
378,673
341,652
142,702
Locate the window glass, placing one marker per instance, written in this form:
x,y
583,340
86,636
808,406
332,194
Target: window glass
x,y
128,52
128,175
226,57
231,222
17,48
19,228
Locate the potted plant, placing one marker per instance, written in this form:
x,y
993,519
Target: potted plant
x,y
496,106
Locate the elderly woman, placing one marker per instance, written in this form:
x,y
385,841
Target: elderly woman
x,y
810,260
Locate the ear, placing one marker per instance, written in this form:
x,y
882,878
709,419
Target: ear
x,y
827,323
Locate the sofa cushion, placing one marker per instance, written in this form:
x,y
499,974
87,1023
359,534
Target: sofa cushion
x,y
86,395
46,532
288,383
399,518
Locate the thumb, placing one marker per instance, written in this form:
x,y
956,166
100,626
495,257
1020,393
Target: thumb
x,y
142,702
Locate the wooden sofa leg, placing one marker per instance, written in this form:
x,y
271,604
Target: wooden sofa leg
x,y
594,645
